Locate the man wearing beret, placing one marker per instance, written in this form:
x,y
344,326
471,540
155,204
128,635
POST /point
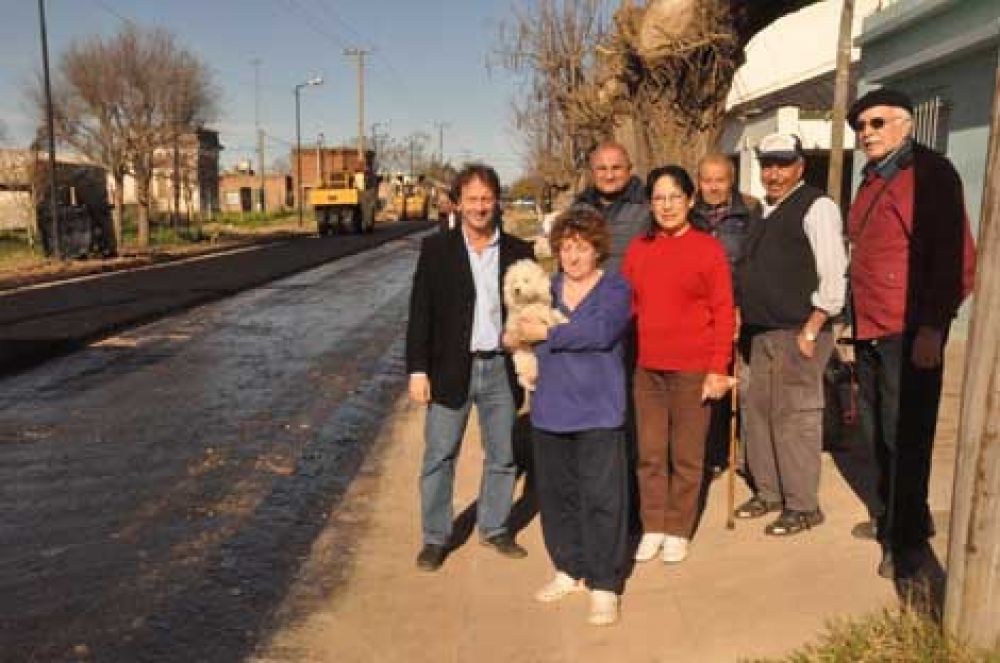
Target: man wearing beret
x,y
912,264
792,280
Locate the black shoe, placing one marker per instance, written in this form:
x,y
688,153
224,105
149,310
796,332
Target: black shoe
x,y
867,529
886,566
755,507
909,560
792,522
504,544
431,557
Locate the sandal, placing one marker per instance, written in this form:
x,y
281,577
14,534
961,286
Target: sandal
x,y
793,522
755,507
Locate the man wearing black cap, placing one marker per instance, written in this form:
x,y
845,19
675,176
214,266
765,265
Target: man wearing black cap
x,y
792,280
912,264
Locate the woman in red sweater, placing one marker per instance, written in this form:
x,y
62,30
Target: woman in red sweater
x,y
683,302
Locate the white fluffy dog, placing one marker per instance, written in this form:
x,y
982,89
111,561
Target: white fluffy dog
x,y
527,293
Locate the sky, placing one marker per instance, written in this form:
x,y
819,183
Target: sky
x,y
428,66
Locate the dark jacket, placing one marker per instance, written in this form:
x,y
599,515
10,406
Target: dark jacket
x,y
442,302
731,229
627,216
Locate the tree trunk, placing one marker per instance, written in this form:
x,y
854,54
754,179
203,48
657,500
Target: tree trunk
x,y
972,598
118,215
142,218
835,179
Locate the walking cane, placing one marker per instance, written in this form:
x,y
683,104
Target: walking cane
x,y
733,441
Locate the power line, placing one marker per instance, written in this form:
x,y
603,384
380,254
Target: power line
x,y
326,8
314,24
110,10
339,40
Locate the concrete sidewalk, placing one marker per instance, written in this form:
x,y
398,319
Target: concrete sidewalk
x,y
741,594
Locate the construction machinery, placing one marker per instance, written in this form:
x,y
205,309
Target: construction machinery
x,y
410,199
346,197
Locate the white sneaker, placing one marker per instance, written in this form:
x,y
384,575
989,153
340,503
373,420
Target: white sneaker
x,y
603,608
560,586
675,549
649,545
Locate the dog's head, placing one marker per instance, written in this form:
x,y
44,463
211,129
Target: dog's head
x,y
525,282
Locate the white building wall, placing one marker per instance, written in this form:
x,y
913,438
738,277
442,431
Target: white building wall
x,y
795,48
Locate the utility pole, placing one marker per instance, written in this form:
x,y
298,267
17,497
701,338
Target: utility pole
x,y
972,593
835,176
376,135
359,55
50,121
260,134
413,147
441,126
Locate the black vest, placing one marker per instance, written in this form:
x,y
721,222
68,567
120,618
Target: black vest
x,y
778,273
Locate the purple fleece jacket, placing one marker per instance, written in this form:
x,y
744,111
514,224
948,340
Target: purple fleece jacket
x,y
581,374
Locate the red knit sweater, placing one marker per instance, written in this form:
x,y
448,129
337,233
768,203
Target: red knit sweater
x,y
683,302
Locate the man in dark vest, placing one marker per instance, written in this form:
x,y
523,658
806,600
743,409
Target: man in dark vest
x,y
792,277
455,360
912,264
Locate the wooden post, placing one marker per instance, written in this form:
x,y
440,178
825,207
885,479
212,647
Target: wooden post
x,y
835,177
972,598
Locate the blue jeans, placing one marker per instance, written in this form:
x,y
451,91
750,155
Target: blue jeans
x,y
490,392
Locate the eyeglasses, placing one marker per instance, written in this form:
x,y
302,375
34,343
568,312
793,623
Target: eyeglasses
x,y
875,123
672,199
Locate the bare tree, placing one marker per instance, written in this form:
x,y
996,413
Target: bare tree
x,y
409,155
656,80
553,45
123,100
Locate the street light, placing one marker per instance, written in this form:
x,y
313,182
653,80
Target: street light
x,y
315,80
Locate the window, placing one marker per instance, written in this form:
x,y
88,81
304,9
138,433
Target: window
x,y
930,123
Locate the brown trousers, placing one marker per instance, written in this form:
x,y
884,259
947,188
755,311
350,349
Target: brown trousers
x,y
672,423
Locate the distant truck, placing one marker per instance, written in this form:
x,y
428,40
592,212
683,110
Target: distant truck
x,y
410,199
347,197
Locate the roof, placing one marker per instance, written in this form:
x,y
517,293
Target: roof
x,y
812,94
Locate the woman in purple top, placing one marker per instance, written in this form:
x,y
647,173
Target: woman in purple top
x,y
578,413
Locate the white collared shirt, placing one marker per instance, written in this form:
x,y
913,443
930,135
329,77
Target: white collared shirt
x,y
487,317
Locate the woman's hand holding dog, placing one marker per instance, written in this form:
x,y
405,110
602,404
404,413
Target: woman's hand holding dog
x,y
715,386
533,330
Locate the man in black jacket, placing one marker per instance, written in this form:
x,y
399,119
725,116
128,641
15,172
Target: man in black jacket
x,y
724,213
455,360
619,195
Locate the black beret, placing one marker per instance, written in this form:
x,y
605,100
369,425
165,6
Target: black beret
x,y
880,97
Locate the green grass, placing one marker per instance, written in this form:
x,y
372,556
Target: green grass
x,y
256,219
902,635
16,251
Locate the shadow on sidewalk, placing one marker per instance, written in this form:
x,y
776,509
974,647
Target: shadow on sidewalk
x,y
523,510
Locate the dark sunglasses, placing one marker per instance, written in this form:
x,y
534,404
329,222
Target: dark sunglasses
x,y
875,123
